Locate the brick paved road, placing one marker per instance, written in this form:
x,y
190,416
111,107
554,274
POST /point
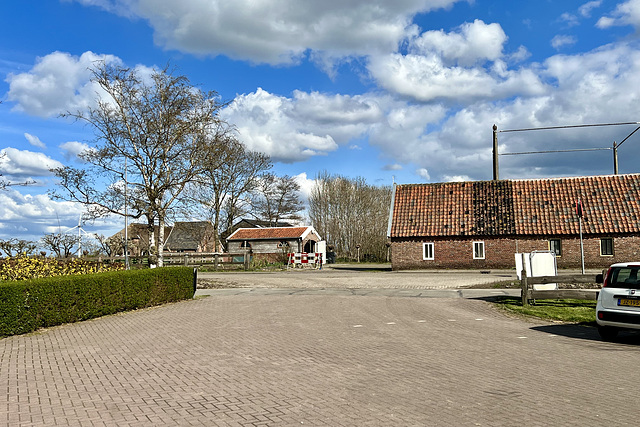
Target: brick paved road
x,y
270,358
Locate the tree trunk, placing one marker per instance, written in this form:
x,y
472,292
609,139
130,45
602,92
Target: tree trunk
x,y
160,240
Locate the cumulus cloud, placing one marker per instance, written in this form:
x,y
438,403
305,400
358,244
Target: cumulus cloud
x,y
595,87
471,43
627,13
423,173
308,124
71,149
276,32
30,216
59,82
560,41
463,65
34,140
585,9
24,163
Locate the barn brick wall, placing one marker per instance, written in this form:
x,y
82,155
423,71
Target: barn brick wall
x,y
499,252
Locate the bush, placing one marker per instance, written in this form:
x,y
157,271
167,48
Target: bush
x,y
25,267
39,303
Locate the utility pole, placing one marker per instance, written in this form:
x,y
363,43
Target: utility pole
x,y
615,158
496,175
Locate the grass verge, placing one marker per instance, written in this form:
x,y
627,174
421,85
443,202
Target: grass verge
x,y
565,310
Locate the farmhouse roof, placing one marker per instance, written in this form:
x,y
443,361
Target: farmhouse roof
x,y
517,207
188,235
283,233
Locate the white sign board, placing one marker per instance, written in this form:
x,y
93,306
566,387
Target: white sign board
x,y
538,263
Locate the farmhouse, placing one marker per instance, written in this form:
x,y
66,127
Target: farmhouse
x,y
483,224
273,243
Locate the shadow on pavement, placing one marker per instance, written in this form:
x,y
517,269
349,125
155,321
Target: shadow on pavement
x,y
589,333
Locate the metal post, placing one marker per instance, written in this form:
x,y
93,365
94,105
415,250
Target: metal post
x,y
581,246
523,282
615,158
496,175
126,219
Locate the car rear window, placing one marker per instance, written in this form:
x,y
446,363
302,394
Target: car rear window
x,y
625,277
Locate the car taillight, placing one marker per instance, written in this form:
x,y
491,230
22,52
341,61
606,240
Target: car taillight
x,y
607,276
600,315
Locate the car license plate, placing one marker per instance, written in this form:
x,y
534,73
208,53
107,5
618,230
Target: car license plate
x,y
629,302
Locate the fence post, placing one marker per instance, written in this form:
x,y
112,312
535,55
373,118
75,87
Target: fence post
x,y
186,260
215,262
246,259
523,283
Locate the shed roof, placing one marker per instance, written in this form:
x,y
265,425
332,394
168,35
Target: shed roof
x,y
517,207
271,233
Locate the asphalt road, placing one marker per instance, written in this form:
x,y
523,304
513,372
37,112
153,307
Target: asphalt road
x,y
320,357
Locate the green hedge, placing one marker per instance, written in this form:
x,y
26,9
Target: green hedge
x,y
39,303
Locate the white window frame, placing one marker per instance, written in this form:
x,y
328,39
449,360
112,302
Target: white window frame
x,y
480,243
424,251
559,247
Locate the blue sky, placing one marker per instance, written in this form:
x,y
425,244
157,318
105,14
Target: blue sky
x,y
403,90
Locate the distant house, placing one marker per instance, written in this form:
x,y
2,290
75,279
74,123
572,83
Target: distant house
x,y
271,243
195,236
251,223
483,224
181,237
138,236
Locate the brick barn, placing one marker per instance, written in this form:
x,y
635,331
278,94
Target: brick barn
x,y
482,224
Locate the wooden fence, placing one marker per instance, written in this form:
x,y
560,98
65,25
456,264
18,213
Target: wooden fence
x,y
188,259
528,293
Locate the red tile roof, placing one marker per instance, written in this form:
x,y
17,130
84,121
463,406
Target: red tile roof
x,y
268,233
519,207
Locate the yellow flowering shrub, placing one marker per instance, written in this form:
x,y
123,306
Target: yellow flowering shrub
x,y
26,267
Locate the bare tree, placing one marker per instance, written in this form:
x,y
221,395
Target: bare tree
x,y
349,213
277,199
160,126
14,247
230,173
60,244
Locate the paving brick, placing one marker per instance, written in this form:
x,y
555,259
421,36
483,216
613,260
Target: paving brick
x,y
334,359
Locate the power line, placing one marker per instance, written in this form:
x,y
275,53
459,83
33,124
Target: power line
x,y
556,151
571,126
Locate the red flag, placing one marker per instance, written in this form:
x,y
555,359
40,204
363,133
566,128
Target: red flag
x,y
579,210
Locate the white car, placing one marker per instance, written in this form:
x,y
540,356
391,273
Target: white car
x,y
618,304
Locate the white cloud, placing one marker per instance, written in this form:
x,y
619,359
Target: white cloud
x,y
472,43
71,149
30,216
627,13
595,87
24,163
59,82
423,173
585,9
278,31
34,140
461,66
306,185
393,167
560,41
306,125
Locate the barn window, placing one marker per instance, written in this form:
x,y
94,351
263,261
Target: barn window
x,y
427,251
555,246
478,250
606,246
245,244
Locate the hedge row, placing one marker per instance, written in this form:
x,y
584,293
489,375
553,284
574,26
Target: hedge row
x,y
39,303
